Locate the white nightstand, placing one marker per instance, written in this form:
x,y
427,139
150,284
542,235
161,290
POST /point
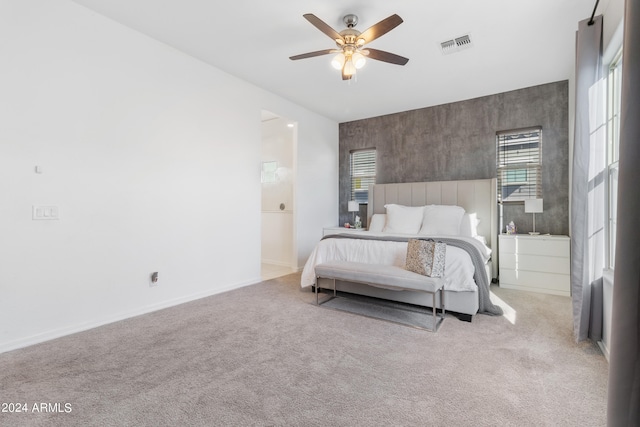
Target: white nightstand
x,y
338,230
535,263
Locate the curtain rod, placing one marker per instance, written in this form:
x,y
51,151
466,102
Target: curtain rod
x,y
594,13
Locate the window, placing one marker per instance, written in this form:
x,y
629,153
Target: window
x,y
269,172
518,164
363,174
614,92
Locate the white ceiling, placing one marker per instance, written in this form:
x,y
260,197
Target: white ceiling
x,y
517,44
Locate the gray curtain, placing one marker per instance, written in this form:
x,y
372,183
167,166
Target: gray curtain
x,y
585,181
624,369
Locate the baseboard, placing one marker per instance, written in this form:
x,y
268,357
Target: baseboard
x,y
73,329
278,263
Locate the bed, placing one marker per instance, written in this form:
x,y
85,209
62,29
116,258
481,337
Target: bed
x,y
463,295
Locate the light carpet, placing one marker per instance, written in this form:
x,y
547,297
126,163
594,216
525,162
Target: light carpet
x,y
265,355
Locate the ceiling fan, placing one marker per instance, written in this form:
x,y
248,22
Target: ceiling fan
x,y
350,54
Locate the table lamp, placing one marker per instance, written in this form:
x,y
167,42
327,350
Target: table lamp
x,y
533,206
354,207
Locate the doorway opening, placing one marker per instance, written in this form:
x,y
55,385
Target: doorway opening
x,y
278,205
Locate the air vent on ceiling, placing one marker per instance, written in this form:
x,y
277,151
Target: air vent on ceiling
x,y
456,44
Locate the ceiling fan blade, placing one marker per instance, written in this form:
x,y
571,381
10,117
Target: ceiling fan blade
x,y
322,26
381,28
381,55
312,54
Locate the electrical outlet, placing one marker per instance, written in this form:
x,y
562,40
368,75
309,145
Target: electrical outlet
x,y
40,212
154,279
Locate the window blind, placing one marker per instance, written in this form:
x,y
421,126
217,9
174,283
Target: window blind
x,y
519,164
363,174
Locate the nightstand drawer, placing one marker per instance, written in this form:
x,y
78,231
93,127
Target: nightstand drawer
x,y
535,246
535,281
547,264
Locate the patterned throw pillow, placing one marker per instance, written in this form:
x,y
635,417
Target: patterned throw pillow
x,y
426,257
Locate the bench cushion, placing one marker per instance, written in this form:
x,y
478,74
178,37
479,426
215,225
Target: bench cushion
x,y
383,276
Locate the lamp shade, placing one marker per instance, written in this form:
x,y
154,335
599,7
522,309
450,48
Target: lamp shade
x,y
353,206
533,205
338,61
358,60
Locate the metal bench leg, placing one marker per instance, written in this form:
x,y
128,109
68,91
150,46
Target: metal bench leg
x,y
435,313
318,289
437,322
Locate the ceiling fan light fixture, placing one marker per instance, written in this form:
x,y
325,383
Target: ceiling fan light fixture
x,y
338,61
351,54
358,60
349,68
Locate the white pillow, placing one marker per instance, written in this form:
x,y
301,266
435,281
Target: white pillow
x,y
377,222
469,225
483,240
442,220
403,219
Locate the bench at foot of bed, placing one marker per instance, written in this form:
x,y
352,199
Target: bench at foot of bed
x,y
384,276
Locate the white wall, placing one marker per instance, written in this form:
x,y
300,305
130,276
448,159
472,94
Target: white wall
x,y
613,15
153,158
607,311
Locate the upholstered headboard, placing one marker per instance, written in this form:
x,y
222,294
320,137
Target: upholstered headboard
x,y
478,195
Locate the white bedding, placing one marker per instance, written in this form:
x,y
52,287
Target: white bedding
x,y
459,269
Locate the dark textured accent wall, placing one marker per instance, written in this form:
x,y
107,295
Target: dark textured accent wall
x,y
458,141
